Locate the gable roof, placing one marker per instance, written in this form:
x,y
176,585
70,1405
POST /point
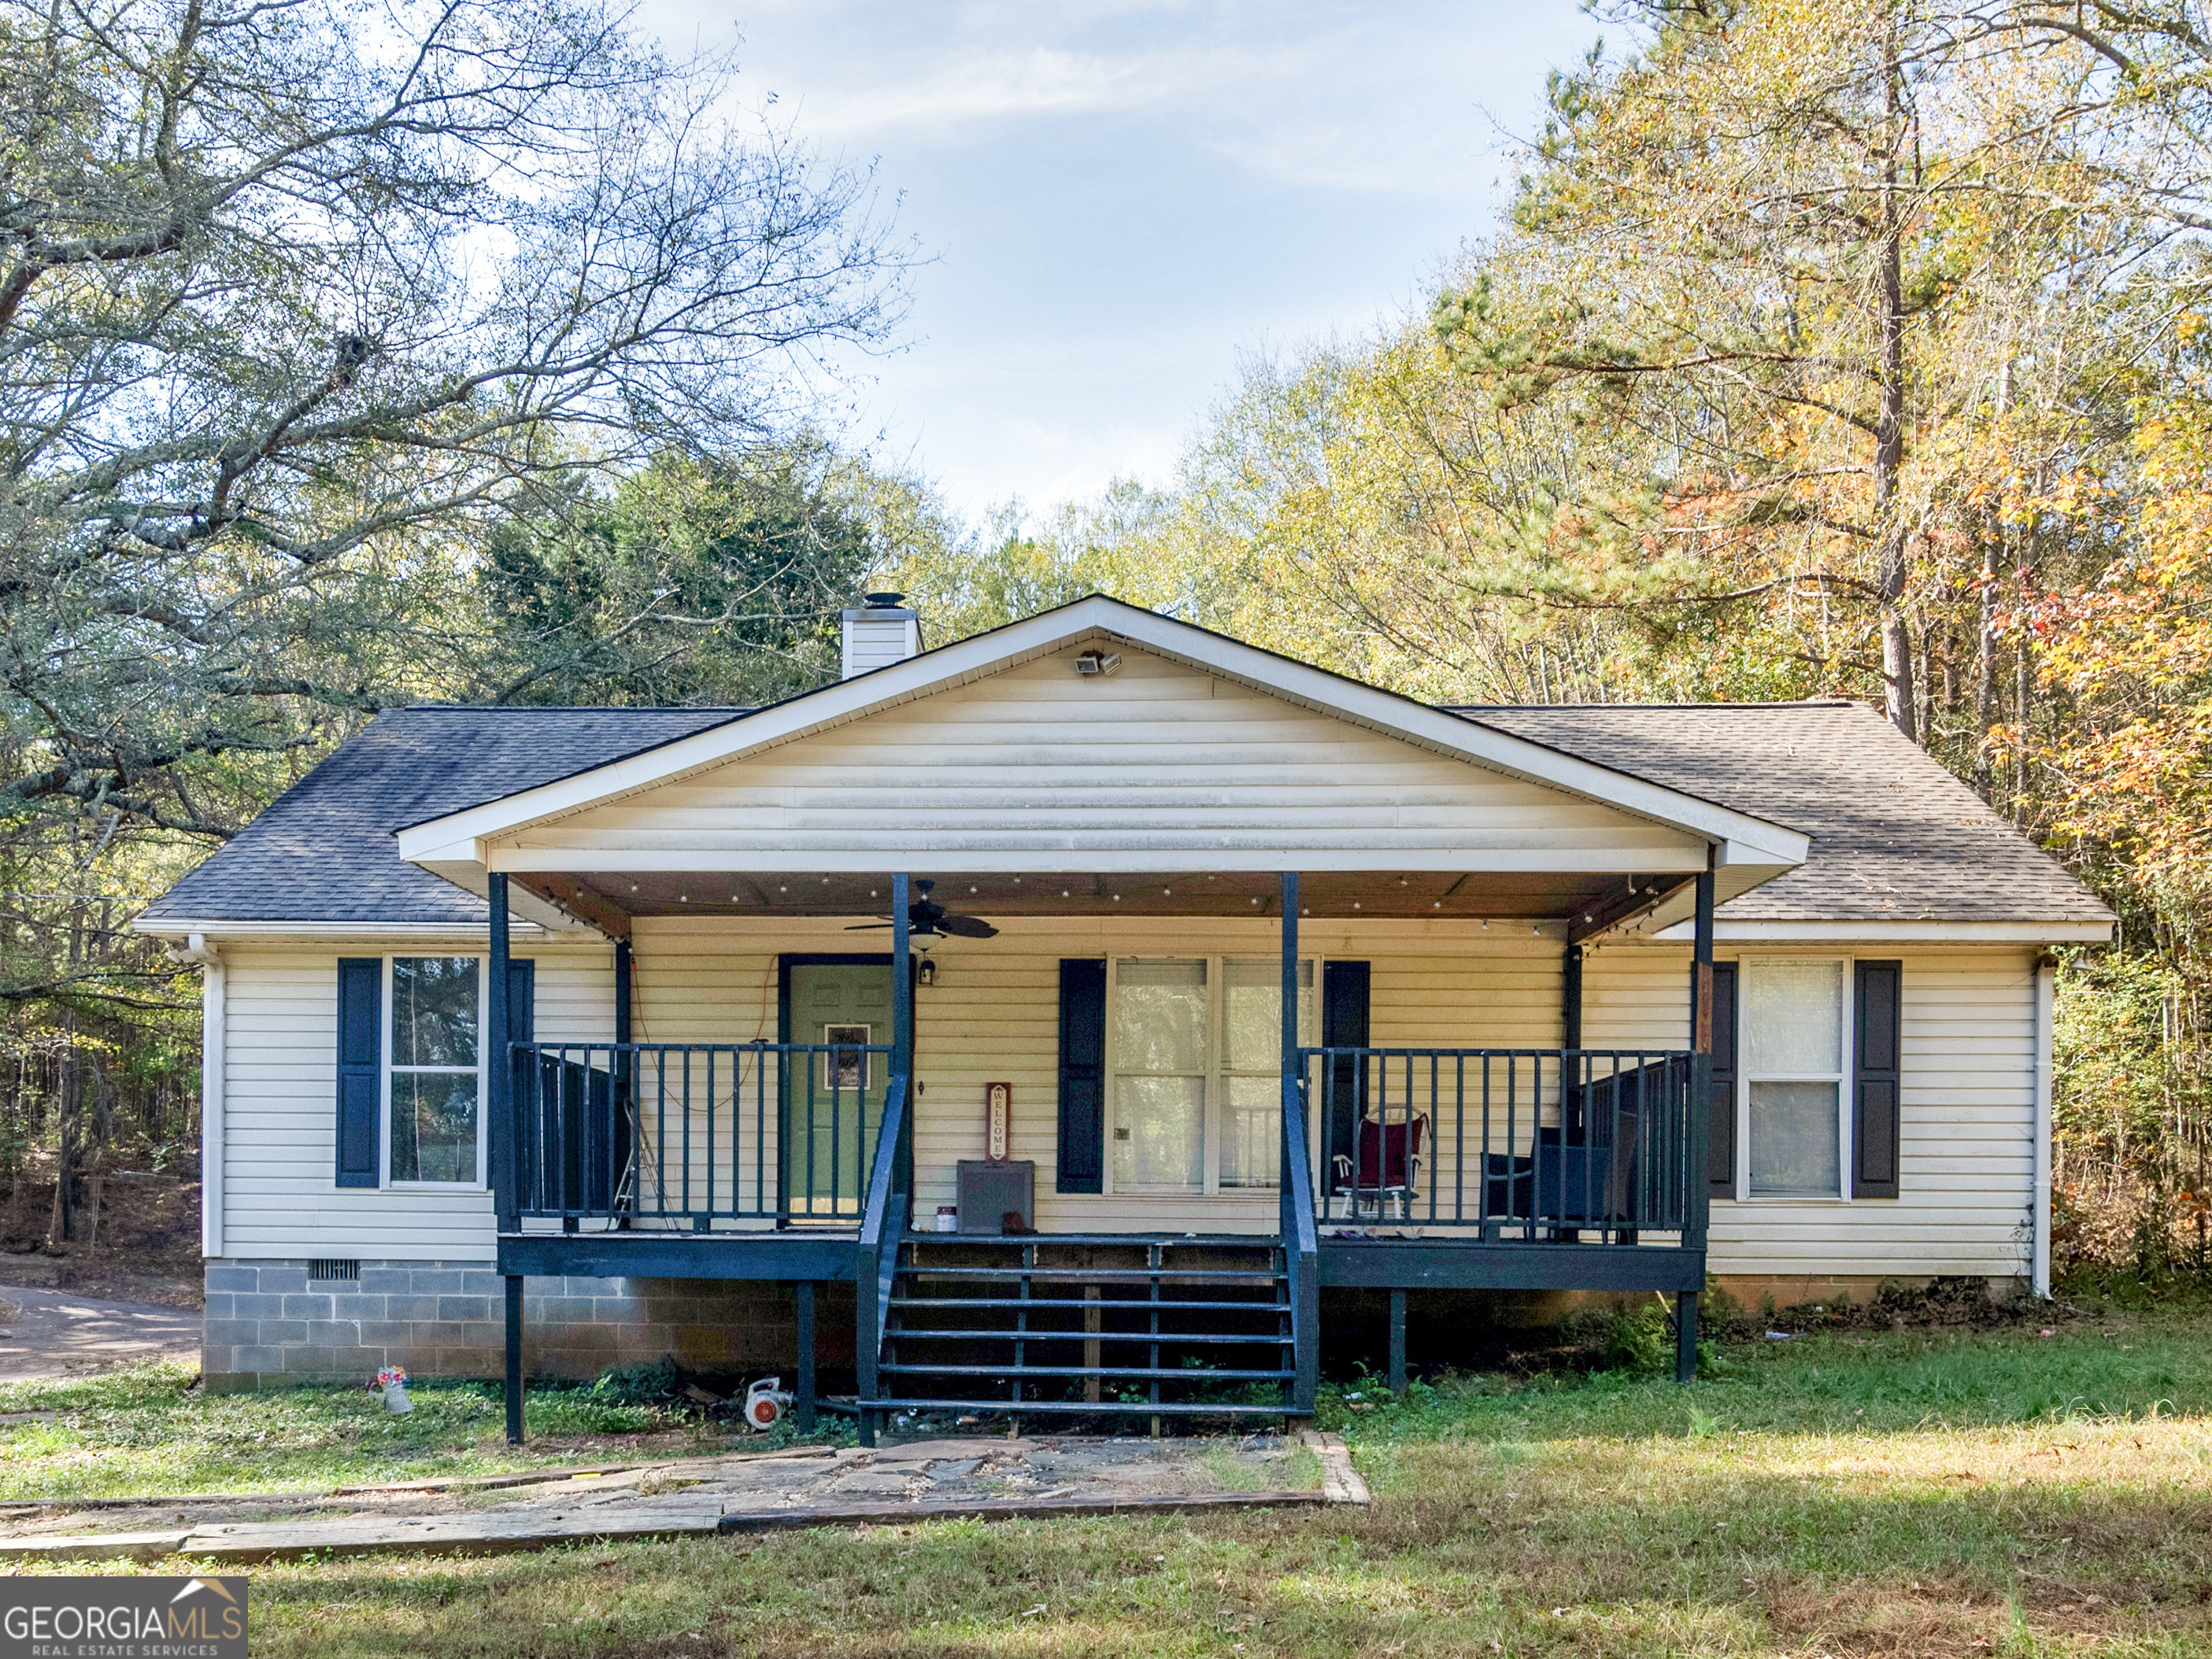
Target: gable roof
x,y
1750,848
325,852
1893,837
1896,837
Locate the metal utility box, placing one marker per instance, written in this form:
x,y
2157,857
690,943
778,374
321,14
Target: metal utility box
x,y
988,1191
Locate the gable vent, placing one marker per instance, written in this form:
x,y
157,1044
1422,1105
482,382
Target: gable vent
x,y
881,632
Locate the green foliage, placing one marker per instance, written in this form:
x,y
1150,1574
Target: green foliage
x,y
695,581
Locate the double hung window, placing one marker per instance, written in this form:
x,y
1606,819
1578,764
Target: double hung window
x,y
1195,1055
1794,1016
434,1082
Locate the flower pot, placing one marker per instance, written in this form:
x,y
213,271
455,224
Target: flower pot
x,y
396,1399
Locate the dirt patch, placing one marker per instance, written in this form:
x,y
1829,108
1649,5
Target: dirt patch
x,y
139,1239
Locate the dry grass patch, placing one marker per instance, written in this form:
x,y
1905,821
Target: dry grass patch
x,y
1970,1493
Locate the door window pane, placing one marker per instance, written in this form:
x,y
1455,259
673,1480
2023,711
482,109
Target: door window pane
x,y
433,1126
1159,1131
1252,1131
1252,1007
433,1011
1159,1016
1252,1113
1794,1151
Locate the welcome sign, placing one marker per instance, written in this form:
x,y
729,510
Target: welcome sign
x,y
123,1619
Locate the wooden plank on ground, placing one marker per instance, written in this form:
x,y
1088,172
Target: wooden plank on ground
x,y
96,1546
1340,1482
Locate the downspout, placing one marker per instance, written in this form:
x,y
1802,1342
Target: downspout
x,y
204,956
2045,997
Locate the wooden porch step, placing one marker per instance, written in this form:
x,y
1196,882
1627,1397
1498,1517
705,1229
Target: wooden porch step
x,y
1165,1338
1103,1373
1096,1275
1102,1304
1134,1241
1066,1408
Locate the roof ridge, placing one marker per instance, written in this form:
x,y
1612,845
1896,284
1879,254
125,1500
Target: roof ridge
x,y
570,708
1578,708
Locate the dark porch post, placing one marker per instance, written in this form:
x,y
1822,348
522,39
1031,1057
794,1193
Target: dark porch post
x,y
1397,1342
619,1064
499,1104
1699,1195
1571,999
1301,1269
806,1391
902,1024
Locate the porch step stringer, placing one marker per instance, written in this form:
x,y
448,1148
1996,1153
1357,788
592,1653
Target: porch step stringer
x,y
1165,1328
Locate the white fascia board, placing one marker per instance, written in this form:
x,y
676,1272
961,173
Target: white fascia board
x,y
367,930
1901,932
471,875
1739,837
1119,860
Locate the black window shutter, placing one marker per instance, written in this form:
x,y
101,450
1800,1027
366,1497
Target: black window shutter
x,y
1082,1161
1877,995
1345,989
361,1067
521,1000
1720,1142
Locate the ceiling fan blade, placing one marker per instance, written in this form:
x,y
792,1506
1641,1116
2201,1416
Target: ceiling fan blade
x,y
968,926
868,926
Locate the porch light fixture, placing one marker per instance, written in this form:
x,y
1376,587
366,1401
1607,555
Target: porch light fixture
x,y
926,974
1095,664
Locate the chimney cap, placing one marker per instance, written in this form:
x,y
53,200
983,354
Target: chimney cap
x,y
883,601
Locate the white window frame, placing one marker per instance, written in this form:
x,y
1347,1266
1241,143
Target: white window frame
x,y
1842,1079
389,1065
1214,1077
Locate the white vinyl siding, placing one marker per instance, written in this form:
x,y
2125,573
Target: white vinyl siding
x,y
1967,1115
993,1016
1040,769
279,1014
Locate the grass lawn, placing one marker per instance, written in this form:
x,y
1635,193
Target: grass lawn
x,y
145,1430
1907,1492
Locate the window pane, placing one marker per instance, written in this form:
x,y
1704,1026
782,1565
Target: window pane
x,y
1252,1131
1159,1126
1159,1016
433,1011
433,1126
1794,1153
1793,1017
1252,998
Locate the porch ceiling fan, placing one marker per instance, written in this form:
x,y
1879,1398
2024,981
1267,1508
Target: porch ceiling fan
x,y
926,918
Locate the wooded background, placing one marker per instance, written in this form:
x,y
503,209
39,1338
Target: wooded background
x,y
1823,351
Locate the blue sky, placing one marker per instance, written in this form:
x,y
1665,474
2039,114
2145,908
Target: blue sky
x,y
1117,198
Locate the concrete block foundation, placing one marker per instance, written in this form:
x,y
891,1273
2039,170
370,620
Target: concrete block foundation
x,y
269,1323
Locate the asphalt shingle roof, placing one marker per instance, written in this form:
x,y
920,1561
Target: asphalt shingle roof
x,y
1896,837
325,851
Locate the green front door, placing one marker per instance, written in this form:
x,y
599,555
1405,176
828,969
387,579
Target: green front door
x,y
833,1108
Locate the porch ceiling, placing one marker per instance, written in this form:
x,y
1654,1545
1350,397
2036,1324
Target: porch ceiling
x,y
611,900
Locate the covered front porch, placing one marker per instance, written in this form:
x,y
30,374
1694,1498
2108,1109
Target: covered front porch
x,y
1388,1090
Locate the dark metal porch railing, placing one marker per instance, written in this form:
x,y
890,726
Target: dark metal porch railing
x,y
662,1133
1539,1145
